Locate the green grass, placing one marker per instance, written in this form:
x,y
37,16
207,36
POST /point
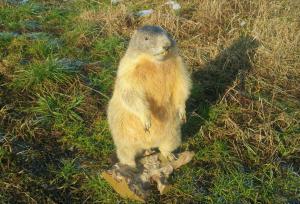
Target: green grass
x,y
57,108
39,73
58,62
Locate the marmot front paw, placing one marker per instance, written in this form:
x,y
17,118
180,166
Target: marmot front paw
x,y
147,123
182,115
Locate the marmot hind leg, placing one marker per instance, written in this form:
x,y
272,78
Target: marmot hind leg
x,y
127,155
168,145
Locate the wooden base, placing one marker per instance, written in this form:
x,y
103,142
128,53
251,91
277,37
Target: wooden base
x,y
137,184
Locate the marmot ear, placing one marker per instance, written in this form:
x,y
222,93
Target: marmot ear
x,y
134,32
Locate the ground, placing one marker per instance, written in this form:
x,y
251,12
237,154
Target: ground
x,y
58,61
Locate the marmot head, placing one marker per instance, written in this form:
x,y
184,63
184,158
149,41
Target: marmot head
x,y
153,41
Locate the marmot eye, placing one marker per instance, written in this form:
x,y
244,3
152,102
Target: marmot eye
x,y
146,38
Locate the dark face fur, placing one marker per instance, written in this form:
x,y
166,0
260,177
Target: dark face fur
x,y
152,40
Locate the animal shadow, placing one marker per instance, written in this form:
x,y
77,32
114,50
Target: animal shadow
x,y
211,81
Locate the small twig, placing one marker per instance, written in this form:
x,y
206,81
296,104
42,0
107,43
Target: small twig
x,y
228,90
102,94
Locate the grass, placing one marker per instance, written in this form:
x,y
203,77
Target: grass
x,y
58,63
37,74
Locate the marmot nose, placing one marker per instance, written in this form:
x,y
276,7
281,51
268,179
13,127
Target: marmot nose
x,y
166,47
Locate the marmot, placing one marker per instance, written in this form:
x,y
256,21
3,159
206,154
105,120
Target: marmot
x,y
148,102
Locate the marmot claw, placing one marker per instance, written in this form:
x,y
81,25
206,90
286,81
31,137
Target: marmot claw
x,y
147,125
169,156
182,116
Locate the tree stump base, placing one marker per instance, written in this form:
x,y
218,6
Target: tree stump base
x,y
152,168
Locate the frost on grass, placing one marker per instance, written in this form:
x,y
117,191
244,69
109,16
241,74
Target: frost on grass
x,y
144,12
70,65
174,5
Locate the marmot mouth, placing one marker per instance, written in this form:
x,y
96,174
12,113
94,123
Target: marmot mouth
x,y
163,53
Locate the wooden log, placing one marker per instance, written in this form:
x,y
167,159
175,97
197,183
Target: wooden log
x,y
137,184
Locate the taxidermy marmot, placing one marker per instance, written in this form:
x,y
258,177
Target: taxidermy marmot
x,y
148,102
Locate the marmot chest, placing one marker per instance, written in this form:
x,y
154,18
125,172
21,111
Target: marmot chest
x,y
157,79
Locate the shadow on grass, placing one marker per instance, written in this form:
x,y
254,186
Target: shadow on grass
x,y
214,78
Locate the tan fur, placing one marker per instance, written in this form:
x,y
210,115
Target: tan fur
x,y
147,90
